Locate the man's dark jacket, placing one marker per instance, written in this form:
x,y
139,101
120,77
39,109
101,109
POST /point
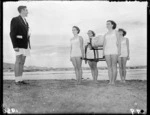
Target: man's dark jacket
x,y
19,33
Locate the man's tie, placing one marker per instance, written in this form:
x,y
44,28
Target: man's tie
x,y
25,21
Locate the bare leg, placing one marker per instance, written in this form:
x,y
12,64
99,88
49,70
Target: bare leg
x,y
17,68
22,64
79,68
114,67
75,67
95,71
120,67
92,69
109,65
124,67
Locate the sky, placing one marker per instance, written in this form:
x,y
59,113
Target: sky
x,y
51,28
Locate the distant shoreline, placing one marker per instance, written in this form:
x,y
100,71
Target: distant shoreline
x,y
8,67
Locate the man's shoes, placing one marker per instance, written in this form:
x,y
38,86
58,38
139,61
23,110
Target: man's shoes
x,y
17,83
21,83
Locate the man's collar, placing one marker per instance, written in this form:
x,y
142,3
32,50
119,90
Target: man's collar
x,y
22,17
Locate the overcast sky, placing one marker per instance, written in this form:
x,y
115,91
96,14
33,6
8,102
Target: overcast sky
x,y
51,25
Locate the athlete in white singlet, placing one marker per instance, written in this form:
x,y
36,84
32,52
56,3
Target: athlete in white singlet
x,y
76,50
124,56
124,50
111,44
76,53
90,55
111,51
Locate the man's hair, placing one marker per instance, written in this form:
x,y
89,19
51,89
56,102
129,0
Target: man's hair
x,y
21,8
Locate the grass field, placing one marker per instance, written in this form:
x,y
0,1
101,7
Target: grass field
x,y
65,96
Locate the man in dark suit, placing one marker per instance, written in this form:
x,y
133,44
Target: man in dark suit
x,y
19,34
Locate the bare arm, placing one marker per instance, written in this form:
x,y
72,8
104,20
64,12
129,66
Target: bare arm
x,y
70,50
81,46
118,43
104,43
128,48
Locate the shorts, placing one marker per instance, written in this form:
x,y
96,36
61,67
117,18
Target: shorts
x,y
124,53
24,52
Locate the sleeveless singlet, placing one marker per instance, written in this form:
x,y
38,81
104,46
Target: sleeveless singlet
x,y
90,54
124,52
76,51
111,44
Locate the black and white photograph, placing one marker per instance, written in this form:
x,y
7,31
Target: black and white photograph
x,y
74,57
